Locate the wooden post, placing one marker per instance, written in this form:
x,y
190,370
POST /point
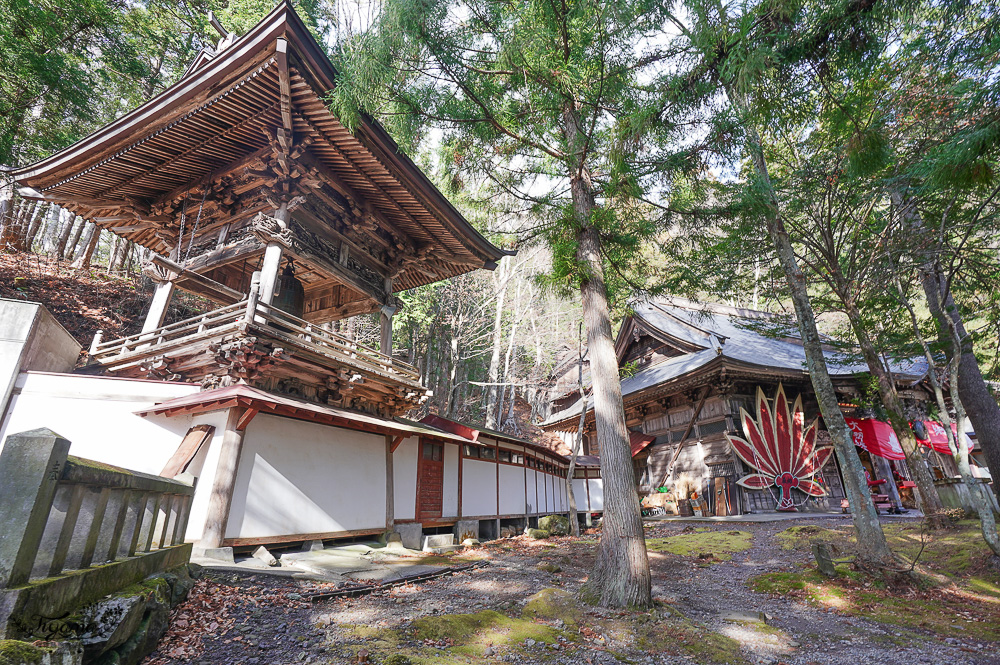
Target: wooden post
x,y
221,499
272,260
30,467
158,306
385,342
390,501
252,299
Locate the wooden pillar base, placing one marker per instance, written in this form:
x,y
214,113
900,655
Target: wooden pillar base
x,y
224,483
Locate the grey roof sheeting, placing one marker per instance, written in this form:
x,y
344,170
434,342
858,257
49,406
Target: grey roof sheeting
x,y
728,333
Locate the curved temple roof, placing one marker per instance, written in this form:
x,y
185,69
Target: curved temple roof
x,y
715,336
211,131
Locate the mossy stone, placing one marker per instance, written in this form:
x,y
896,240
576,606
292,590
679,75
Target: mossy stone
x,y
556,525
16,652
537,534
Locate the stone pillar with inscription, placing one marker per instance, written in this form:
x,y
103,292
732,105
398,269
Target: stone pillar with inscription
x,y
30,466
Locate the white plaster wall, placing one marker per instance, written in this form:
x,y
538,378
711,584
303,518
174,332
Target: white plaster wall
x,y
296,477
404,474
96,415
479,488
596,494
532,497
580,493
559,492
511,490
449,498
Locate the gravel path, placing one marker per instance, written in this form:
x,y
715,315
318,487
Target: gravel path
x,y
271,622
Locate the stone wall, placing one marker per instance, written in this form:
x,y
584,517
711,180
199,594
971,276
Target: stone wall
x,y
120,629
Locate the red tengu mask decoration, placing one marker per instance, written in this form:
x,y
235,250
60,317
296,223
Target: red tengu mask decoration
x,y
780,448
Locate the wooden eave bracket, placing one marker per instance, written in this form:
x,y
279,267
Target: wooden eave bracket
x,y
395,443
245,419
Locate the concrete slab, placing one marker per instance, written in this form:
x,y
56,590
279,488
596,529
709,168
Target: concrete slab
x,y
436,541
212,554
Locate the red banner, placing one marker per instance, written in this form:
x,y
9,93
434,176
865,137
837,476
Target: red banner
x,y
876,437
937,438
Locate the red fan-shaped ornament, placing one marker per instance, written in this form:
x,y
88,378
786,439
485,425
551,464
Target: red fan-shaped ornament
x,y
779,446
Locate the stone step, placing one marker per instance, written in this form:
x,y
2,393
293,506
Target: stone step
x,y
437,540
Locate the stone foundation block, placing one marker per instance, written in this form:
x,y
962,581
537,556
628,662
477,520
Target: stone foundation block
x,y
410,535
465,529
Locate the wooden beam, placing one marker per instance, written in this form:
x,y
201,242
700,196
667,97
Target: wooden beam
x,y
211,178
281,56
338,184
220,290
395,443
245,419
297,537
687,431
186,452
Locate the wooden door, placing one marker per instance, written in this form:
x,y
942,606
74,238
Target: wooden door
x,y
430,480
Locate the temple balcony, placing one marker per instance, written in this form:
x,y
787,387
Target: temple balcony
x,y
252,343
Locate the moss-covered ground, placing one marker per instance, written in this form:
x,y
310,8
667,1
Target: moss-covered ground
x,y
955,590
706,544
552,626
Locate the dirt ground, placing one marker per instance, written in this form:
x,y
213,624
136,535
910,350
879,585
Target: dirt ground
x,y
519,607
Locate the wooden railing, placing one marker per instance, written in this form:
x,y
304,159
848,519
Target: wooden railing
x,y
271,321
60,513
335,345
177,333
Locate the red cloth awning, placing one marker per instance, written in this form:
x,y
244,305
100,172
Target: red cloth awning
x,y
638,441
876,437
937,438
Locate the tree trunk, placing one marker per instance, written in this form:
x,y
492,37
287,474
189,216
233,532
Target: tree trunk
x,y
620,577
506,372
928,501
21,218
977,492
83,261
36,222
574,520
74,239
6,201
873,550
49,229
980,405
122,249
492,392
67,220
